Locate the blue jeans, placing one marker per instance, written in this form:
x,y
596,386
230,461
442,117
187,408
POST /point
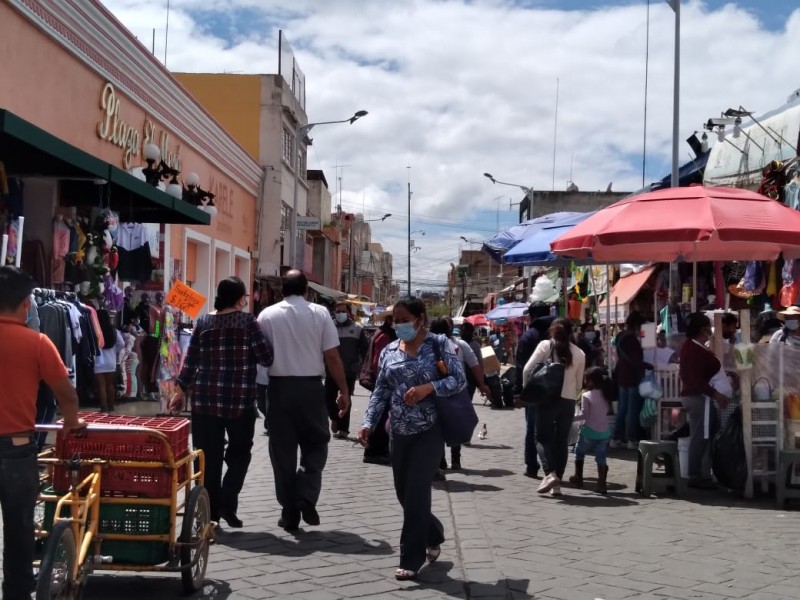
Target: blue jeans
x,y
19,486
629,406
597,447
531,450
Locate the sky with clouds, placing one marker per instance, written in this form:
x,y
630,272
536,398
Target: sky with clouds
x,y
456,88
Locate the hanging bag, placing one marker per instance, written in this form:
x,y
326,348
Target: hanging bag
x,y
545,383
457,416
368,373
651,391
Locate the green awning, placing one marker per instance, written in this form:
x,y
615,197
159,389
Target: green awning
x,y
29,151
131,197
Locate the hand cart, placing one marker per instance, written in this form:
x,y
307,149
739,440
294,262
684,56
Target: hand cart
x,y
113,505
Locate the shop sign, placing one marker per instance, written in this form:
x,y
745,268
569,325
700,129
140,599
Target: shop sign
x,y
311,223
128,137
184,298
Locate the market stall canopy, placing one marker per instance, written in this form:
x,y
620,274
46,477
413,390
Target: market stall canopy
x,y
511,310
501,243
623,293
327,292
692,223
535,249
477,320
29,151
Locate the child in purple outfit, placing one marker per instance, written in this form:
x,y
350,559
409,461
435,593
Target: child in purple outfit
x,y
595,432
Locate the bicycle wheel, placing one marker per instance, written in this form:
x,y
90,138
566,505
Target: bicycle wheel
x,y
57,571
195,518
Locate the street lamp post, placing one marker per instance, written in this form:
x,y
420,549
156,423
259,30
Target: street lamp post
x,y
528,190
303,130
351,261
676,91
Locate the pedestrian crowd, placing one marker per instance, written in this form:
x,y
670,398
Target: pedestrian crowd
x,y
298,364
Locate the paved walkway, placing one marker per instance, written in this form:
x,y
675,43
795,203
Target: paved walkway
x,y
504,541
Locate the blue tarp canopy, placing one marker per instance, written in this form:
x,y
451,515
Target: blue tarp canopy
x,y
691,172
535,248
510,310
507,239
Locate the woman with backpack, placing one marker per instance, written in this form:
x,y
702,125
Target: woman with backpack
x,y
554,419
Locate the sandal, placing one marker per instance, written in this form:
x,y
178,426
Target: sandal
x,y
404,574
433,553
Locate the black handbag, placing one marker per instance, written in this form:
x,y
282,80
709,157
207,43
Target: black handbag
x,y
457,416
545,383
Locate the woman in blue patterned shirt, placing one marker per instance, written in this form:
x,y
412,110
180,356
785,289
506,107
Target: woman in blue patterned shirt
x,y
408,377
220,371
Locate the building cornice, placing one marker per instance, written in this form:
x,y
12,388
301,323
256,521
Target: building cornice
x,y
88,31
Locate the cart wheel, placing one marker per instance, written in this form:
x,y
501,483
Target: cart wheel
x,y
57,571
196,517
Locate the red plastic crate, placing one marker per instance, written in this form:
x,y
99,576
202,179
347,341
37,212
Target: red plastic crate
x,y
124,481
128,445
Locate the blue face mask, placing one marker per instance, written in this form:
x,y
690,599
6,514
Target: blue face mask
x,y
406,331
341,317
590,335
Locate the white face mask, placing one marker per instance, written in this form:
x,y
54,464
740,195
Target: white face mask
x,y
341,317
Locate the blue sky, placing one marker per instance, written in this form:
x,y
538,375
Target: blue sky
x,y
772,13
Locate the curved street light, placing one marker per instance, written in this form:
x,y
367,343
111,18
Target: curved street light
x,y
302,130
528,190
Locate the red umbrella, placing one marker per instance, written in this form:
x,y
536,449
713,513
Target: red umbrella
x,y
477,320
696,223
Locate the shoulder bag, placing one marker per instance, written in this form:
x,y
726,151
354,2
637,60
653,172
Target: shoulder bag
x,y
545,383
368,373
457,416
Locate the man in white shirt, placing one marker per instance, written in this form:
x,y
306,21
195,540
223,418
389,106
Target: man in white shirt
x,y
305,342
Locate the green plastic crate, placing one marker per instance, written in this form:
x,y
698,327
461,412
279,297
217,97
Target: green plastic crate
x,y
141,519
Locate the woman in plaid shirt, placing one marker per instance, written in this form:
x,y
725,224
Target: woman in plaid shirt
x,y
220,371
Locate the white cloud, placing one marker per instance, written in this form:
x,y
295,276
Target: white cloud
x,y
459,88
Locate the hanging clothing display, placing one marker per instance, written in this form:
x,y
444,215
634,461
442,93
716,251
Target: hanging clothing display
x,y
133,246
61,235
68,324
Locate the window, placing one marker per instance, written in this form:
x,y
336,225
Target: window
x,y
286,218
288,143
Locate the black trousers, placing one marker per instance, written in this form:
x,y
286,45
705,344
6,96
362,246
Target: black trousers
x,y
331,394
149,364
553,422
414,462
378,442
262,402
19,486
297,419
208,433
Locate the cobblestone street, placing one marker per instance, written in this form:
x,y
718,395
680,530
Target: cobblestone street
x,y
504,541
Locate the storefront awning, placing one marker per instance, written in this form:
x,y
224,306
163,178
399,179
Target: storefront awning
x,y
29,151
326,291
626,289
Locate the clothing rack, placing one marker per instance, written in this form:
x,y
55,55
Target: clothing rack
x,y
48,294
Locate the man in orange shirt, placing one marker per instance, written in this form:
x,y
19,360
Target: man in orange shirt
x,y
26,357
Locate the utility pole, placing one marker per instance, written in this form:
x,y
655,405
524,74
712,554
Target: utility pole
x,y
409,229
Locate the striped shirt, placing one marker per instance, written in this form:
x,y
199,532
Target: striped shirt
x,y
220,365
